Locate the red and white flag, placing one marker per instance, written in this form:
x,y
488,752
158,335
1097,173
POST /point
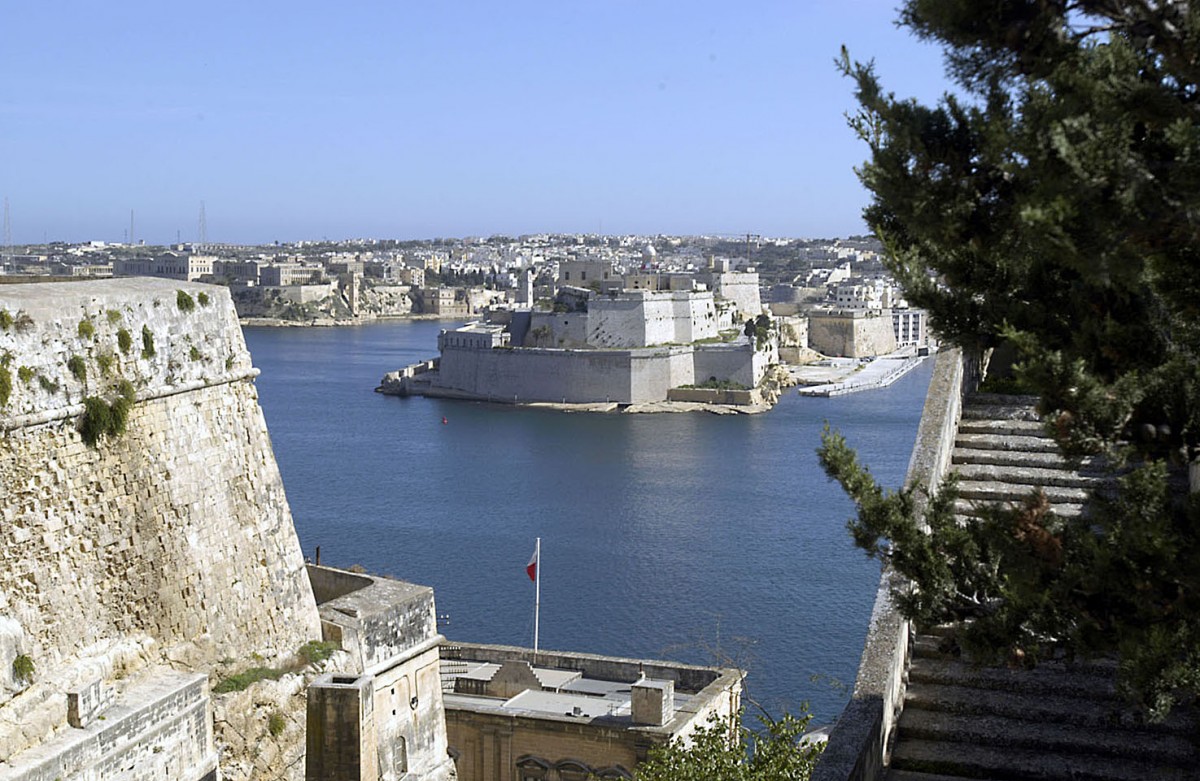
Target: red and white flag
x,y
531,567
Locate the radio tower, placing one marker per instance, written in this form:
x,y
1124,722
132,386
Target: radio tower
x,y
131,239
7,230
202,228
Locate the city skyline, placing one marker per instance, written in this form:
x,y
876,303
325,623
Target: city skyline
x,y
396,122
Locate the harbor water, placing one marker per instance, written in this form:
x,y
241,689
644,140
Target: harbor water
x,y
690,536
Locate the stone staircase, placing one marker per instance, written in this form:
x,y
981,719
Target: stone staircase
x,y
1059,722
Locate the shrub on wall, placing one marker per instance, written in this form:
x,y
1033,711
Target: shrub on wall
x,y
124,340
85,329
147,342
185,302
22,669
78,368
101,418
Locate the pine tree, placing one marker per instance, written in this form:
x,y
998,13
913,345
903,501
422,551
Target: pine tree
x,y
1053,205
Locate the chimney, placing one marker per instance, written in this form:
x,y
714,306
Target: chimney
x,y
652,702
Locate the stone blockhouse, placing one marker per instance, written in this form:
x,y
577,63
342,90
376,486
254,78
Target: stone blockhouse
x,y
382,719
853,333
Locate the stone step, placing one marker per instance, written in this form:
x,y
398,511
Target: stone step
x,y
964,703
979,761
980,406
1026,476
1016,458
914,775
966,509
990,491
1047,679
1051,737
1002,428
1014,442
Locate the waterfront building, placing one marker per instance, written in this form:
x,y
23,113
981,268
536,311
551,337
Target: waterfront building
x,y
513,715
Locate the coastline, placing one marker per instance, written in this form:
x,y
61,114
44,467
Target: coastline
x,y
332,322
855,377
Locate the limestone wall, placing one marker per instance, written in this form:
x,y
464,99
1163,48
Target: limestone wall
x,y
739,363
176,531
851,334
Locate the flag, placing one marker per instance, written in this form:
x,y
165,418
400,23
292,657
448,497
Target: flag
x,y
531,567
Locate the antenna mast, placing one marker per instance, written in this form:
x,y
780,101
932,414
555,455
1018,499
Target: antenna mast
x,y
202,227
7,230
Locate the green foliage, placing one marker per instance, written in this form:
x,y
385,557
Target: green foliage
x,y
6,320
105,361
85,329
48,385
26,373
124,340
22,669
103,418
759,329
147,342
202,298
1051,205
712,383
185,302
276,724
5,384
238,682
316,651
78,367
114,316
725,750
195,354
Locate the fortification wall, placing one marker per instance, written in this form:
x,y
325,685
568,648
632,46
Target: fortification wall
x,y
530,374
739,363
851,334
174,535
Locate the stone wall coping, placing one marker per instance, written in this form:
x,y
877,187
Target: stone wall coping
x,y
15,422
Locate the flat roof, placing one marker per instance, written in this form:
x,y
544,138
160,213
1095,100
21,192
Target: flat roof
x,y
567,695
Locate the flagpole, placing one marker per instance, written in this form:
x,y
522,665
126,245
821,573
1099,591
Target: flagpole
x,y
537,594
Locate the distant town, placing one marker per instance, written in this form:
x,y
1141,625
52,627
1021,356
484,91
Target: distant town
x,y
567,318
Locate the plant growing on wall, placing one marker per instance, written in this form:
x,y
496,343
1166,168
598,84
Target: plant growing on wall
x,y
103,418
185,302
124,340
22,670
77,367
85,329
147,342
6,320
202,298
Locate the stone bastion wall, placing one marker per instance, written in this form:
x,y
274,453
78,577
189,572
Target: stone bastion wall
x,y
169,542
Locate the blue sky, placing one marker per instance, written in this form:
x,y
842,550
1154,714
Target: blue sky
x,y
407,119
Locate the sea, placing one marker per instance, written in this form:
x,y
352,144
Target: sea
x,y
708,539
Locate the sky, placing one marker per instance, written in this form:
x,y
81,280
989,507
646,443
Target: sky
x,y
408,119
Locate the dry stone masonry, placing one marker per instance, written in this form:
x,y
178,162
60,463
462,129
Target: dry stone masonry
x,y
167,543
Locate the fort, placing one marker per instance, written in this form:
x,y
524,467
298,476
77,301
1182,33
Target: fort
x,y
620,347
